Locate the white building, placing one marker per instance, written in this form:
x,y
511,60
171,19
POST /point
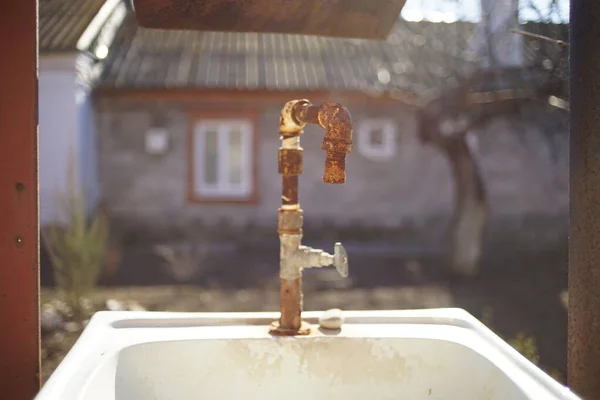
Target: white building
x,y
73,37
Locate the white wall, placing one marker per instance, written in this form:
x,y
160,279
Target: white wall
x,y
493,36
64,129
88,154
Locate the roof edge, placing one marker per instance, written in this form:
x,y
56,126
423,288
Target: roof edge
x,y
223,94
58,53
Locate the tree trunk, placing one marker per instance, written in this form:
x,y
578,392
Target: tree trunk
x,y
470,210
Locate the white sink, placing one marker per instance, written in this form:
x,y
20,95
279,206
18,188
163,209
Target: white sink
x,y
412,354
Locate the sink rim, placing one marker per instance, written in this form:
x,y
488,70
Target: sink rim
x,y
109,328
164,319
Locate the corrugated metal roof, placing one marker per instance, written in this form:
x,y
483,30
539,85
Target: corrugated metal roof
x,y
418,58
62,22
415,55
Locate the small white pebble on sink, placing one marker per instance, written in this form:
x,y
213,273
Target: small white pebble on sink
x,y
331,319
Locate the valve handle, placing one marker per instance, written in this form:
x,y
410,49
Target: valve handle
x,y
340,260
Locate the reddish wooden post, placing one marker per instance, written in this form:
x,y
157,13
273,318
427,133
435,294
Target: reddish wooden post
x,y
19,240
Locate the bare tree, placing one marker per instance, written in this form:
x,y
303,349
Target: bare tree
x,y
489,71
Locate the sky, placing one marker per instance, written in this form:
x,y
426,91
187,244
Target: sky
x,y
469,10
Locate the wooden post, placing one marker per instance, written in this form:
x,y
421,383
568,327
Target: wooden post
x,y
584,235
19,243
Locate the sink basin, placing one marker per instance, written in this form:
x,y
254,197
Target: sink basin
x,y
412,354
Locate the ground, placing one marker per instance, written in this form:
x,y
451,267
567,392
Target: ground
x,y
517,291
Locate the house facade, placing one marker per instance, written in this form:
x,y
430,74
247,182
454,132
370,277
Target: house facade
x,y
187,136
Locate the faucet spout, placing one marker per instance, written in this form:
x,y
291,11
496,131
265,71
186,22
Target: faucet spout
x,y
337,142
335,119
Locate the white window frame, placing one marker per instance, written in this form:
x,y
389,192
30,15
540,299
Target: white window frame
x,y
222,189
387,149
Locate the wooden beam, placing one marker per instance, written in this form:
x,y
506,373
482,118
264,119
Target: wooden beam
x,y
19,243
584,235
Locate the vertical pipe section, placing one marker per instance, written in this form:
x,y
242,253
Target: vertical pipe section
x,y
291,306
19,244
584,235
290,233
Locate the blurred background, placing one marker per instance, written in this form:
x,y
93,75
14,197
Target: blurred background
x,y
159,184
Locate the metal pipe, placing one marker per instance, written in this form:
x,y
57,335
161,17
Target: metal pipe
x,y
584,229
337,142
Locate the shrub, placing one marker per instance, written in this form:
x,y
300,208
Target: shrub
x,y
527,346
523,343
77,249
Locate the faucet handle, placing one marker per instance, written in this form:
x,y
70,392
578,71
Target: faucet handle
x,y
340,259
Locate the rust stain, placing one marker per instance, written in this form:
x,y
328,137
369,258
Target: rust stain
x,y
289,221
349,18
334,361
290,323
290,162
290,190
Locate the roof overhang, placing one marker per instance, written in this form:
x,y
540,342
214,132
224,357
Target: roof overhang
x,y
225,96
357,19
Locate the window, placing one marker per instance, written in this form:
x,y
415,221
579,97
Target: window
x,y
222,159
376,138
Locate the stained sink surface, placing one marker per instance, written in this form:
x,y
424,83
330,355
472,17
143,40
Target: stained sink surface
x,y
414,354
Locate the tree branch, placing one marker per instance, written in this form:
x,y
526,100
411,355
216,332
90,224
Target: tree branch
x,y
541,37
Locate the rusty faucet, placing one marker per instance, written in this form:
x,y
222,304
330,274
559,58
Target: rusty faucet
x,y
294,257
